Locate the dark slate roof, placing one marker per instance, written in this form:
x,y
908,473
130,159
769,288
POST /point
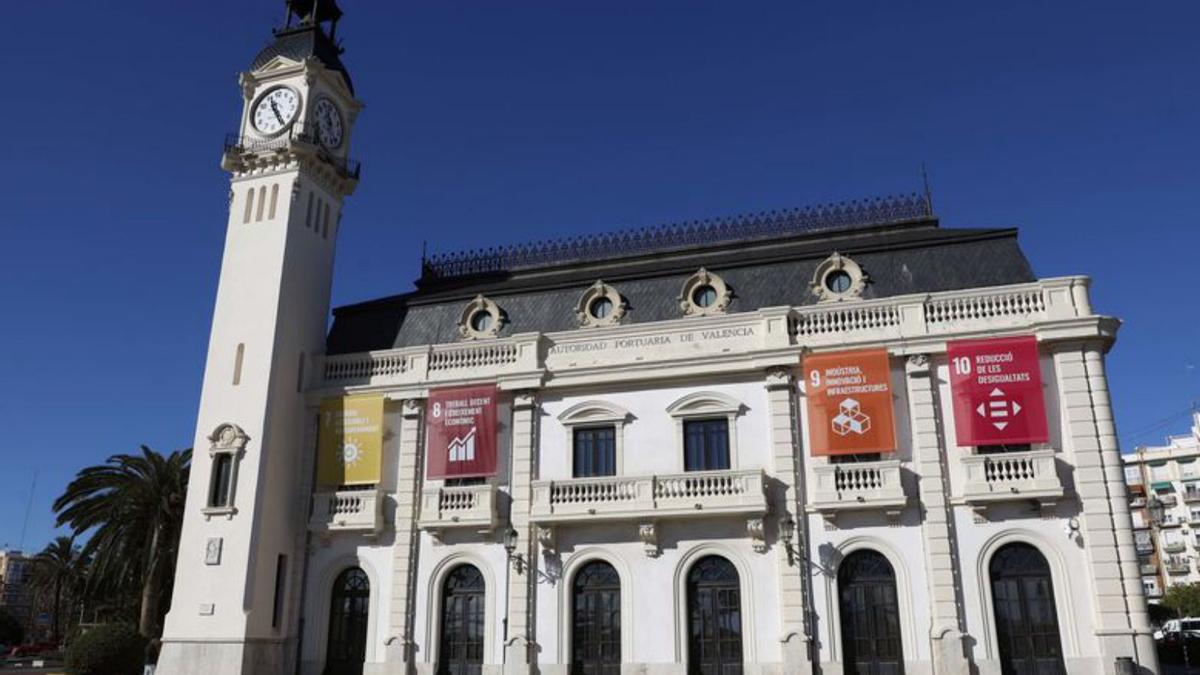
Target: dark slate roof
x,y
300,43
916,256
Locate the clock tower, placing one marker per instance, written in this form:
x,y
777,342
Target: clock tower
x,y
235,604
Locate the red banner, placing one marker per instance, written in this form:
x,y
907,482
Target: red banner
x,y
461,432
849,398
997,389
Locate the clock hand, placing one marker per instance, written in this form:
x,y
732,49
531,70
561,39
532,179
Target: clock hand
x,y
275,109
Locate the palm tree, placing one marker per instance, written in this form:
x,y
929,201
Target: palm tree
x,y
133,504
58,571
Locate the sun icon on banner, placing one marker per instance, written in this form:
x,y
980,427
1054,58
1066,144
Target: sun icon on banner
x,y
351,454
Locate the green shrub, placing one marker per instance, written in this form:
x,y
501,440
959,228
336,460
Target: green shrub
x,y
107,649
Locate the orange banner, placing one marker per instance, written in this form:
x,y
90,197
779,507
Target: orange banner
x,y
849,402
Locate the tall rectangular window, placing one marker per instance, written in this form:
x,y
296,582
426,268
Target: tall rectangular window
x,y
595,452
280,585
706,445
222,474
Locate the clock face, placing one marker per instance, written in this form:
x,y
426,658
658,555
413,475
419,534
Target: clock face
x,y
276,110
329,123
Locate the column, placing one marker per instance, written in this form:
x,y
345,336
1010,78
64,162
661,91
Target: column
x,y
519,647
937,531
788,503
410,463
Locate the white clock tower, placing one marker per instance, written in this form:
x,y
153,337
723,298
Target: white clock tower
x,y
235,603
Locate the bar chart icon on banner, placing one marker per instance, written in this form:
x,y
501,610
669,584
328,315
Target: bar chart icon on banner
x,y
850,419
463,449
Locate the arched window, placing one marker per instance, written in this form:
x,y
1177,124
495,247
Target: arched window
x,y
461,643
596,620
714,604
348,612
1026,618
870,615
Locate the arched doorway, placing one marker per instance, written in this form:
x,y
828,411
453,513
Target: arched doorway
x,y
596,620
870,615
348,611
714,604
1026,618
461,643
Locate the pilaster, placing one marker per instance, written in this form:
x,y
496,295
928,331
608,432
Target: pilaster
x,y
407,542
1122,623
938,537
787,502
519,645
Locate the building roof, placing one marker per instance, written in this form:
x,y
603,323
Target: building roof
x,y
300,42
768,260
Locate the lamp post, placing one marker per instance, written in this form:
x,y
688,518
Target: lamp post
x,y
510,547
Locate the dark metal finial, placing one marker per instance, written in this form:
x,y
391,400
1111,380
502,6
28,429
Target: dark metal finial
x,y
928,192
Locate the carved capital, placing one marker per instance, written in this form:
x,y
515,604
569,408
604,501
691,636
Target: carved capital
x,y
648,533
758,539
917,364
779,378
545,537
412,408
525,399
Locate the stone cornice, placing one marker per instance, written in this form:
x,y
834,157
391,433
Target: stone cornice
x,y
1055,310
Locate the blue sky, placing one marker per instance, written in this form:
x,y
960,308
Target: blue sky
x,y
492,122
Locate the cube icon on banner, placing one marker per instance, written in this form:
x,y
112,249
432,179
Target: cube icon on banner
x,y
850,419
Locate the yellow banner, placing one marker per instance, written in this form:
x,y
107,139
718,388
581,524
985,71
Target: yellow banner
x,y
350,440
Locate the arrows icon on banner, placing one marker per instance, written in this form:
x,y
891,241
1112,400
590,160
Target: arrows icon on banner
x,y
998,409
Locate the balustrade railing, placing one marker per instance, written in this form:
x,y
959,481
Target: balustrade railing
x,y
472,356
449,506
654,496
1024,303
859,486
347,510
1011,475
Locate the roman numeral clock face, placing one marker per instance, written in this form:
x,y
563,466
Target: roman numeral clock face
x,y
276,110
329,123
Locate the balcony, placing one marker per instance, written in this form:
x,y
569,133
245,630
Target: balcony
x,y
1178,566
1172,546
1191,496
1168,500
1148,569
1137,502
446,507
1144,547
347,511
682,495
1153,591
863,486
1011,476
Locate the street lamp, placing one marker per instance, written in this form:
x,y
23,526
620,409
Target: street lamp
x,y
510,547
787,530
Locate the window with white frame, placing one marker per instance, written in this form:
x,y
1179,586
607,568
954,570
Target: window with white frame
x,y
1160,472
1189,468
595,433
706,431
225,453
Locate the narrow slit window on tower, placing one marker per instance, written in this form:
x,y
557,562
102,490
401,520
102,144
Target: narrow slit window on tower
x,y
274,201
249,205
280,585
300,374
237,363
308,212
262,201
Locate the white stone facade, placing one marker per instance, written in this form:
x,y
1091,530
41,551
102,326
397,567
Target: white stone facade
x,y
261,552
